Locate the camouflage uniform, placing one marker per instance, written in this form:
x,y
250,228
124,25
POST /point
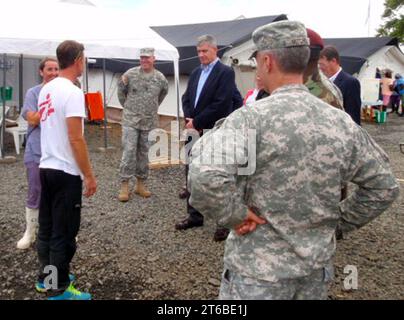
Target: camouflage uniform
x,y
140,94
305,151
321,87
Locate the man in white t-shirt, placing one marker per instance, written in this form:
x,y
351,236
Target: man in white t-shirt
x,y
63,167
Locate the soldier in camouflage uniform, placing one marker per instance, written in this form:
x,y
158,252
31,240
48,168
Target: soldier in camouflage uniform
x,y
282,202
140,91
314,79
320,86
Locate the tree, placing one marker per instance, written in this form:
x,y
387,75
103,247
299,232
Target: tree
x,y
394,20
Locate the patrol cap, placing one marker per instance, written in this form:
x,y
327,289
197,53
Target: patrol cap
x,y
278,35
147,52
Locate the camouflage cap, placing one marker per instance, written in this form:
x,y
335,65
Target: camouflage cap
x,y
282,34
147,52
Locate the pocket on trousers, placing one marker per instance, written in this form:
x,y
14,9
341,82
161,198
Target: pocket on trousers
x,y
225,286
226,275
328,274
73,207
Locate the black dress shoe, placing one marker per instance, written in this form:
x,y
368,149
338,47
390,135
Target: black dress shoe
x,y
184,194
221,234
187,224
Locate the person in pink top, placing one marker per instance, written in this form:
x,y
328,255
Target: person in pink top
x,y
386,84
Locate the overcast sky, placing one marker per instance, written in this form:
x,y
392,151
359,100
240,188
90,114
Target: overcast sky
x,y
330,18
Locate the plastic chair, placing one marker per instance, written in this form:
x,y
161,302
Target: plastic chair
x,y
18,132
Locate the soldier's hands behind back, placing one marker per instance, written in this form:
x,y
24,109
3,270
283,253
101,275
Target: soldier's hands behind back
x,y
250,224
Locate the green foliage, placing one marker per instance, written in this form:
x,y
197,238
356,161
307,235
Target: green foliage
x,y
394,20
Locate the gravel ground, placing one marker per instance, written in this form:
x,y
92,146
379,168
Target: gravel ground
x,y
131,251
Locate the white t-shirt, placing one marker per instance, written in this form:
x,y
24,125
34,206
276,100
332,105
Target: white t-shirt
x,y
59,99
251,98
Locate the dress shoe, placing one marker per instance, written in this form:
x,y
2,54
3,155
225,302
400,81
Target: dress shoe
x,y
187,224
184,194
221,234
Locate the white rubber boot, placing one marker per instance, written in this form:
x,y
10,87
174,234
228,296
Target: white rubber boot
x,y
31,216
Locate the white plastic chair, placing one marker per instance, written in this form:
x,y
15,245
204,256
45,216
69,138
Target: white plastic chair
x,y
18,132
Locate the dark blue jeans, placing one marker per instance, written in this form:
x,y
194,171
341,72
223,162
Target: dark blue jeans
x,y
59,223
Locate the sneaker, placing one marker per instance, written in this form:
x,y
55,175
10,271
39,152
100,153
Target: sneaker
x,y
40,286
71,293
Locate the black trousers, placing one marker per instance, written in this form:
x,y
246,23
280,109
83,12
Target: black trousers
x,y
59,223
193,214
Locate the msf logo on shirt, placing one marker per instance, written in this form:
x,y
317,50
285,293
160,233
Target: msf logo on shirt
x,y
46,109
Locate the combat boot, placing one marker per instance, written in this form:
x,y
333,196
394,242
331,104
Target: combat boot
x,y
141,189
31,216
124,193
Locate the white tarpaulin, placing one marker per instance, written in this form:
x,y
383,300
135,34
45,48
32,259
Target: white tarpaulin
x,y
33,28
36,29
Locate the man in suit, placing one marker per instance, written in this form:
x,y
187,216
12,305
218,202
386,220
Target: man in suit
x,y
238,102
209,97
350,87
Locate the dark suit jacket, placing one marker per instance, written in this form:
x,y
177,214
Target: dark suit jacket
x,y
351,92
237,99
216,98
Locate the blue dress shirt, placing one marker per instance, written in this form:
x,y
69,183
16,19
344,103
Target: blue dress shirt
x,y
206,70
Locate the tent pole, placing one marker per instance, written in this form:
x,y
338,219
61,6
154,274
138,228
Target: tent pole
x,y
105,103
21,84
177,85
3,124
86,75
3,159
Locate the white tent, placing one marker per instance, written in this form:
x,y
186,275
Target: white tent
x,y
35,30
32,29
388,57
384,56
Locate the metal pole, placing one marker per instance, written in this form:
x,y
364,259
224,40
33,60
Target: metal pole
x,y
3,125
176,79
86,75
105,104
21,83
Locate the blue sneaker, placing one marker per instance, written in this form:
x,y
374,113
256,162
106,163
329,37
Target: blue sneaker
x,y
40,286
71,293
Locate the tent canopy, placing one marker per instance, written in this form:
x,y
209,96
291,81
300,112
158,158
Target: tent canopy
x,y
228,34
355,51
36,30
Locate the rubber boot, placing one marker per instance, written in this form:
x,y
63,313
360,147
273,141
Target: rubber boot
x,y
31,217
141,189
124,193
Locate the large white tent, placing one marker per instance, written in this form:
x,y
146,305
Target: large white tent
x,y
35,30
32,29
